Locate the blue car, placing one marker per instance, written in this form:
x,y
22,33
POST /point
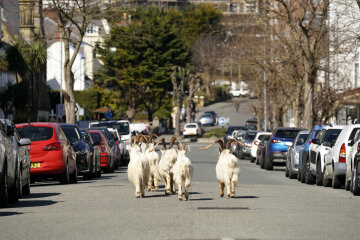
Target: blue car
x,y
276,151
303,154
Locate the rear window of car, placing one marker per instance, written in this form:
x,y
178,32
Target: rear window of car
x,y
72,133
206,116
301,139
250,136
231,129
190,126
36,133
282,133
330,136
95,136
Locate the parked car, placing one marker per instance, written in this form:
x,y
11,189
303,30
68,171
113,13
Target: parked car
x,y
85,163
235,92
124,129
238,135
335,165
245,151
319,148
14,164
261,151
207,119
95,145
106,152
192,129
121,148
214,116
276,150
303,154
355,172
251,124
112,144
51,153
292,160
255,144
230,130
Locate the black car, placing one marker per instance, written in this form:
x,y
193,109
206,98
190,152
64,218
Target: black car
x,y
14,164
95,145
231,129
85,163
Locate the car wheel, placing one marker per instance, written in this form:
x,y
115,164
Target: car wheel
x,y
268,164
261,162
4,199
335,181
291,173
20,186
74,176
257,160
299,175
26,188
252,159
65,177
356,180
303,171
326,182
319,177
347,184
309,179
286,169
14,192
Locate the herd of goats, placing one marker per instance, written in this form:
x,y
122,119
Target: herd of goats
x,y
174,167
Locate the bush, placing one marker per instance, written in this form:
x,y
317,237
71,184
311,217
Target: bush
x,y
216,132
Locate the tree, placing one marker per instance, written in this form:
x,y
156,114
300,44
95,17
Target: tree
x,y
194,83
178,78
73,16
147,49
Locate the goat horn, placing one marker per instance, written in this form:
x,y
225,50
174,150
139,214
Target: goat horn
x,y
219,141
152,136
184,146
162,140
143,139
133,140
172,142
243,144
228,143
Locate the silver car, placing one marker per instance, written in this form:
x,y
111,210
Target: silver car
x,y
292,160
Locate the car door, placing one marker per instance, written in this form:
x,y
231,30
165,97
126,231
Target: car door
x,y
313,149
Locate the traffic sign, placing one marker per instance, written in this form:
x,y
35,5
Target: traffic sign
x,y
222,121
108,115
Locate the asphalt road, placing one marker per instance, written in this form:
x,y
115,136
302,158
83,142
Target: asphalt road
x,y
266,206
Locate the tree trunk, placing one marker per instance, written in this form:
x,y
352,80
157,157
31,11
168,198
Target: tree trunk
x,y
308,120
207,84
130,112
297,106
177,119
188,109
69,96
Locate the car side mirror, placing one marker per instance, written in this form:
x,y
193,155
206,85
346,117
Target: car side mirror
x,y
316,141
351,142
86,138
25,141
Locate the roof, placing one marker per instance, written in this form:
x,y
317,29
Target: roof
x,y
102,110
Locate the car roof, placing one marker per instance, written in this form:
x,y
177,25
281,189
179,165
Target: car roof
x,y
304,132
38,124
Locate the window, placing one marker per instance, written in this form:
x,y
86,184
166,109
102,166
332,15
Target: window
x,y
251,6
36,133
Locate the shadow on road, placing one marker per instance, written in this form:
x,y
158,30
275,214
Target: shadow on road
x,y
32,203
246,197
6,214
41,195
201,199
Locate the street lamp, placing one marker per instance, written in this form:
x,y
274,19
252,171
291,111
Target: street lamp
x,y
265,102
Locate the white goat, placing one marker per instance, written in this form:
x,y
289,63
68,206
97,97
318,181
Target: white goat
x,y
138,168
167,161
153,158
227,169
183,170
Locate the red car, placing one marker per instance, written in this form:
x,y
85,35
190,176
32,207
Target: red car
x,y
106,153
51,154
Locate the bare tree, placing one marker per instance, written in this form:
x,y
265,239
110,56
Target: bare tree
x,y
194,84
73,15
178,78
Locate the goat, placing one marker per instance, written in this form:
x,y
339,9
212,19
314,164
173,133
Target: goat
x,y
183,170
167,161
227,169
138,168
153,158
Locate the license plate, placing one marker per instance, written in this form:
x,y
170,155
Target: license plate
x,y
35,165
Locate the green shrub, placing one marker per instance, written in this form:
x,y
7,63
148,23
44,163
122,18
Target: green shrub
x,y
216,132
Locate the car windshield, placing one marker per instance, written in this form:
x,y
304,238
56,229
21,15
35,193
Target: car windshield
x,y
36,133
122,127
250,136
301,139
284,133
190,126
72,133
330,136
205,116
233,128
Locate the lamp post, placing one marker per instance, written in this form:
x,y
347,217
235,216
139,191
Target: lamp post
x,y
265,102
